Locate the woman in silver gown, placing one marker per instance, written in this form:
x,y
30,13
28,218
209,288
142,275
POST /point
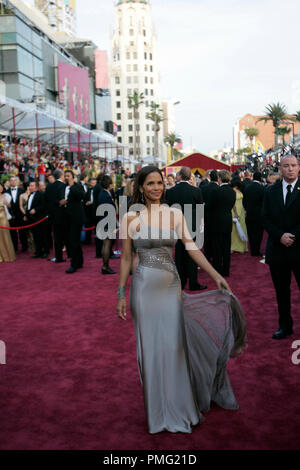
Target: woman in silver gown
x,y
183,341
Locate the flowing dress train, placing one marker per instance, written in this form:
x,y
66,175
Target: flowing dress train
x,y
183,341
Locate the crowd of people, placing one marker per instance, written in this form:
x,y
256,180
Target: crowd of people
x,y
66,197
29,162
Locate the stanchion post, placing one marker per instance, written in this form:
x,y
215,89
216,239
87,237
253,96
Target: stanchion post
x,y
90,152
78,138
37,136
55,150
69,139
15,137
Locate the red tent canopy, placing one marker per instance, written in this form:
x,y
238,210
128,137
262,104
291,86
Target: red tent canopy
x,y
200,162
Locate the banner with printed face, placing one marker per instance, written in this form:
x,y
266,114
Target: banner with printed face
x,y
73,86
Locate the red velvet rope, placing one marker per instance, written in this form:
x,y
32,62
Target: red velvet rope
x,y
39,222
25,226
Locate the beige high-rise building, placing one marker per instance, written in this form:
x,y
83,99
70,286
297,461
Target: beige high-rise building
x,y
61,14
134,68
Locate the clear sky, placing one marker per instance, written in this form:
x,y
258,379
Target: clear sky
x,y
220,58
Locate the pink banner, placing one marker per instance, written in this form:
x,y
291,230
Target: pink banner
x,y
73,85
101,69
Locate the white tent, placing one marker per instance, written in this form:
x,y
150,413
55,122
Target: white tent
x,y
20,120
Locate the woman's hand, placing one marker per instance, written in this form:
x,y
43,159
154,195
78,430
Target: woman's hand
x,y
222,284
121,309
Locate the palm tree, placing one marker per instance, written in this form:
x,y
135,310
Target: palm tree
x,y
134,102
297,118
171,140
282,131
251,132
275,112
156,116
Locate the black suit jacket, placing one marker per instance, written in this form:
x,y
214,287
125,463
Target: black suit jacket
x,y
245,184
182,194
253,200
279,219
105,198
55,192
15,206
74,208
221,205
38,204
208,190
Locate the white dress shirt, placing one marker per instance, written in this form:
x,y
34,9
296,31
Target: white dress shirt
x,y
285,184
67,192
30,199
14,192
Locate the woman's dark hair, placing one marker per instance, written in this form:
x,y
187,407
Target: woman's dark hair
x,y
236,183
106,181
140,180
2,185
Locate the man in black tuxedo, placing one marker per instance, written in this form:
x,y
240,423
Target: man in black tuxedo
x,y
221,205
75,217
35,211
84,182
17,219
184,193
206,180
207,191
247,180
92,197
55,192
253,202
281,219
90,208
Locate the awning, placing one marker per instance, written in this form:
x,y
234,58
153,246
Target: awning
x,y
21,120
200,162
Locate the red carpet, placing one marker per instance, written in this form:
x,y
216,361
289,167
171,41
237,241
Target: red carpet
x,y
71,378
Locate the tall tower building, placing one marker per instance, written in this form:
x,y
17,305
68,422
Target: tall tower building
x,y
61,14
134,69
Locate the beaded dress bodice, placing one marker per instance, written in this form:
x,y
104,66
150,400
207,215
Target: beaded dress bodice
x,y
155,247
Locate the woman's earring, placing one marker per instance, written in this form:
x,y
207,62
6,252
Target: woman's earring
x,y
142,198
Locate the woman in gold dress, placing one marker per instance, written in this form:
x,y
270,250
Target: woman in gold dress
x,y
238,211
7,252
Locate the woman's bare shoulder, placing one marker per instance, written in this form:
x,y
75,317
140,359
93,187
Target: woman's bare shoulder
x,y
129,216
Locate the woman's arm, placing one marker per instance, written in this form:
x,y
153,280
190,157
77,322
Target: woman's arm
x,y
196,254
21,204
124,267
7,200
235,211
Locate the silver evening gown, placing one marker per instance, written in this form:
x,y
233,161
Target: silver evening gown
x,y
183,341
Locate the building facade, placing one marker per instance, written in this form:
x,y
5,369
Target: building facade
x,y
266,137
61,14
33,66
134,68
